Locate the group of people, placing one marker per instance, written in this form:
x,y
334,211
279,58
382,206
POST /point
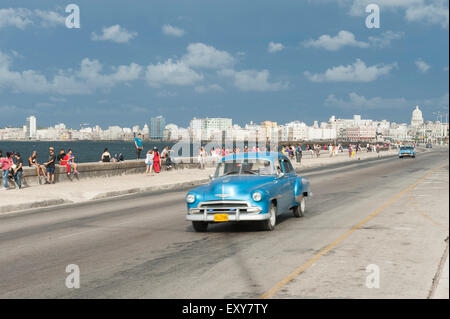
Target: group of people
x,y
153,160
12,166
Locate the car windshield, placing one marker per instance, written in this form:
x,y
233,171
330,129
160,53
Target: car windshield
x,y
407,148
244,167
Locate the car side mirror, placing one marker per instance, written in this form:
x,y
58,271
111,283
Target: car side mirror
x,y
211,176
280,175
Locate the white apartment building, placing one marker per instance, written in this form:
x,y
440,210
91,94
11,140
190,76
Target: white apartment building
x,y
207,128
31,128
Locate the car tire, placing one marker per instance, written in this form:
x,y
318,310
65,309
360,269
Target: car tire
x,y
299,211
269,224
200,227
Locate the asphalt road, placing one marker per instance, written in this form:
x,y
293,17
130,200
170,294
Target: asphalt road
x,y
140,246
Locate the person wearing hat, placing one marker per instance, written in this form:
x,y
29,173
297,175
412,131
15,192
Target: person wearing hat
x,y
51,166
17,172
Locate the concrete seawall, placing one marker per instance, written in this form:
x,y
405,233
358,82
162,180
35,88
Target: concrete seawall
x,y
99,169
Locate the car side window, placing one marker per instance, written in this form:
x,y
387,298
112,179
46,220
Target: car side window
x,y
279,167
287,167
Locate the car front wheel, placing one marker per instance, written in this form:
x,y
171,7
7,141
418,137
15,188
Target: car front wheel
x,y
299,211
200,227
269,224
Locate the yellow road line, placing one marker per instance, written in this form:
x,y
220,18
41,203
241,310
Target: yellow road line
x,y
423,214
272,291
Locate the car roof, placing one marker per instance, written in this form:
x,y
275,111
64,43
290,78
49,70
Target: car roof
x,y
271,156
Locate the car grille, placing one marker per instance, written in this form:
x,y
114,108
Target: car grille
x,y
230,207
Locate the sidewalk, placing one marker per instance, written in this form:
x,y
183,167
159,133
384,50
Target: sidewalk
x,y
103,187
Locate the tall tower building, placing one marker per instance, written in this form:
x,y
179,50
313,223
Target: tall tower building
x,y
157,125
31,127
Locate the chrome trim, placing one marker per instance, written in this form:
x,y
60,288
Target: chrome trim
x,y
244,211
231,217
224,202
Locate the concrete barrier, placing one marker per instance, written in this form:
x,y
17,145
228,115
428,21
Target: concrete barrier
x,y
99,169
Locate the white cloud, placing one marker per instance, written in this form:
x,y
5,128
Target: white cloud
x,y
385,39
428,11
434,13
253,80
50,18
422,66
18,18
21,18
356,101
346,38
114,33
356,72
342,39
172,73
275,47
65,82
167,29
208,88
200,55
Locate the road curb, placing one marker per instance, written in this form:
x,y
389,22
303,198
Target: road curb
x,y
130,191
38,204
150,189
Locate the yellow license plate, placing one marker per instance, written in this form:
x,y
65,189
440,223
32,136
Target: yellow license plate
x,y
221,217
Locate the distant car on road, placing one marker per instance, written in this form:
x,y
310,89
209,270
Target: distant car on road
x,y
407,151
429,145
248,187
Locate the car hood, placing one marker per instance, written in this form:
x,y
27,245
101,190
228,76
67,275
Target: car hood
x,y
234,187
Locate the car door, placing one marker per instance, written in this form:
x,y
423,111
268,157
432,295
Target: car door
x,y
290,173
284,186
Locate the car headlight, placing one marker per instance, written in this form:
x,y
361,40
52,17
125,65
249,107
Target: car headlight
x,y
257,196
190,198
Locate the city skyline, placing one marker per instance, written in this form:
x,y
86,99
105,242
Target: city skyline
x,y
251,62
352,129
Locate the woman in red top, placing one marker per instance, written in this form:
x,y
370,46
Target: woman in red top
x,y
156,160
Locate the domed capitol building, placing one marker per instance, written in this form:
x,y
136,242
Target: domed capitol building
x,y
427,131
416,118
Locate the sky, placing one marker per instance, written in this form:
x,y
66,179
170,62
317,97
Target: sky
x,y
282,60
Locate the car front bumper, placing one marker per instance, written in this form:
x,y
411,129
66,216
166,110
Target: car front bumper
x,y
236,211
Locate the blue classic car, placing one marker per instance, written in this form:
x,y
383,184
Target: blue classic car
x,y
407,151
248,187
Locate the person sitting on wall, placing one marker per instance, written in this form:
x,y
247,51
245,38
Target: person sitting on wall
x,y
106,156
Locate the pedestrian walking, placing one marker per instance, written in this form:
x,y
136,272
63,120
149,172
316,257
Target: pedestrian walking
x,y
202,157
156,160
149,163
6,164
299,154
18,170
